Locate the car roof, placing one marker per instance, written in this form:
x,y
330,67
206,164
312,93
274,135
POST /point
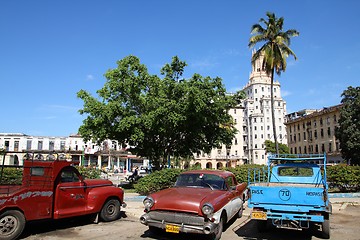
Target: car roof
x,y
220,173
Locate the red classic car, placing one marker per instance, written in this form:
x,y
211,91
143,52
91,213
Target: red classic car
x,y
201,201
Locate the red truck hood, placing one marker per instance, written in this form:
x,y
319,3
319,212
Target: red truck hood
x,y
183,199
98,182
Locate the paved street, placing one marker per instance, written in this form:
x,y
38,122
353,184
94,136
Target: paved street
x,y
128,227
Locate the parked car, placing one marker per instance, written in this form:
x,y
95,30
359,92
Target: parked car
x,y
52,189
201,201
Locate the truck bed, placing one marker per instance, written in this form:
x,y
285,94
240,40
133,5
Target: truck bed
x,y
282,184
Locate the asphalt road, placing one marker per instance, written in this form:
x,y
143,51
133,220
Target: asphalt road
x,y
344,226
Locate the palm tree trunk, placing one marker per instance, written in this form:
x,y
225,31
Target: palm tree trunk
x,y
273,111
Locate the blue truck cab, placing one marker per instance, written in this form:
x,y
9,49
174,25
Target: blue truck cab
x,y
291,192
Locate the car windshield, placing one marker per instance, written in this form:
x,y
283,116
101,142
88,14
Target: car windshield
x,y
201,180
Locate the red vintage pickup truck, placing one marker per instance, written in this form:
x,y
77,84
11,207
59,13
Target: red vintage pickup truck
x,y
54,190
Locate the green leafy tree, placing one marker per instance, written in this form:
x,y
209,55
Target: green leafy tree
x,y
159,117
275,50
271,148
348,131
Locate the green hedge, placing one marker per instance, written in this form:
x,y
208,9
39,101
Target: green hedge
x,y
344,178
341,178
11,176
89,173
157,180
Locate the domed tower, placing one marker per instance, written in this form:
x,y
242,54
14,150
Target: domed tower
x,y
257,114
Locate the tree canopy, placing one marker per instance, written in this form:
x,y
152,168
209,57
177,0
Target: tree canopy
x,y
159,117
270,147
275,50
348,131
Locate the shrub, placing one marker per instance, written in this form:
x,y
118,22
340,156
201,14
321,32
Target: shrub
x,y
157,180
89,173
343,177
11,176
241,172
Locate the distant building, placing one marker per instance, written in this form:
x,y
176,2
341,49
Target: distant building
x,y
313,131
254,124
108,155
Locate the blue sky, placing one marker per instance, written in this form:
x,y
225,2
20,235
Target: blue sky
x,y
49,50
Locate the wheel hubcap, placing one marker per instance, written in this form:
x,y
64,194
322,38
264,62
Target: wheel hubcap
x,y
7,225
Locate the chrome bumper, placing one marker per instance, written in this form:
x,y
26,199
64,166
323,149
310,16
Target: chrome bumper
x,y
206,228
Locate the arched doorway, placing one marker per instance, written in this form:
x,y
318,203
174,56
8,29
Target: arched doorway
x,y
197,165
219,165
16,160
209,165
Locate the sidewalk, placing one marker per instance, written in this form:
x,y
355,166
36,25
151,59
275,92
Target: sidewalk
x,y
135,207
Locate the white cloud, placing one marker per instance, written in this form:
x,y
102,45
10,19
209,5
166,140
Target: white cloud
x,y
90,77
285,93
203,63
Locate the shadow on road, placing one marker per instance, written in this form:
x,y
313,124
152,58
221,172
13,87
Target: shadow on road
x,y
247,229
47,226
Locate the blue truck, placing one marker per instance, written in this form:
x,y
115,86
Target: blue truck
x,y
291,192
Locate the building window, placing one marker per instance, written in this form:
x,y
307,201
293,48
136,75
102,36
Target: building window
x,y
328,120
321,133
305,150
329,131
62,145
330,147
316,148
40,145
315,134
16,146
236,141
304,136
51,145
7,145
322,148
28,144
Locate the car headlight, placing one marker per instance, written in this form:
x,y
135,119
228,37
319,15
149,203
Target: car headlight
x,y
148,202
207,209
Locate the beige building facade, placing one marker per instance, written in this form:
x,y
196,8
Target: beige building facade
x,y
313,131
253,120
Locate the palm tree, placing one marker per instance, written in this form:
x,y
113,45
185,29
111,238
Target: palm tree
x,y
275,50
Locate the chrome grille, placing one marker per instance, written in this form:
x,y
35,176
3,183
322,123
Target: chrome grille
x,y
176,217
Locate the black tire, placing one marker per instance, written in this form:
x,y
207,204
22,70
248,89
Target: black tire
x,y
12,224
241,211
110,211
325,229
218,231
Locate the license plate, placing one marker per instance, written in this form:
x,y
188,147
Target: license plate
x,y
172,228
259,215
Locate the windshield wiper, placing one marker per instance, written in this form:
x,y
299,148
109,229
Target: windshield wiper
x,y
211,187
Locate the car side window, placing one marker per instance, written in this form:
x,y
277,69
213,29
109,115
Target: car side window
x,y
68,175
229,182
